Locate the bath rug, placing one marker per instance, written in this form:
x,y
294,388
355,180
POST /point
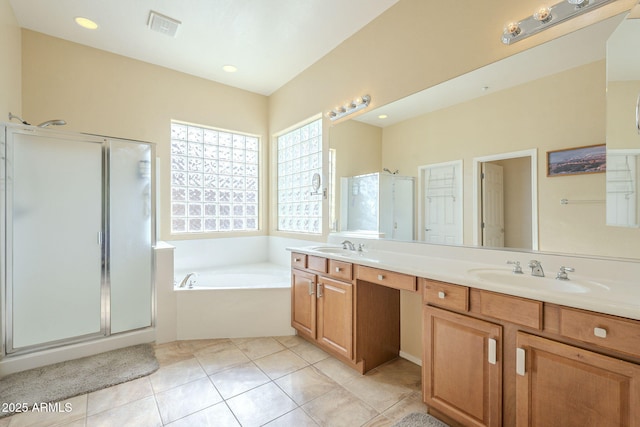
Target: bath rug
x,y
417,419
19,392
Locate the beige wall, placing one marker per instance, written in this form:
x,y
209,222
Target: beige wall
x,y
99,92
10,65
358,151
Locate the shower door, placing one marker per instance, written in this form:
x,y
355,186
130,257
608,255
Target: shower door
x,y
54,238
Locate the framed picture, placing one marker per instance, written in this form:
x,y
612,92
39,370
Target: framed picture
x,y
578,160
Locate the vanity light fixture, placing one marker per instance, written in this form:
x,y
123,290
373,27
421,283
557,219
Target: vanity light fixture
x,y
548,16
356,105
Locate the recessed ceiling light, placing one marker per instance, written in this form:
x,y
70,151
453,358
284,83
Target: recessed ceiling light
x,y
230,68
382,116
86,23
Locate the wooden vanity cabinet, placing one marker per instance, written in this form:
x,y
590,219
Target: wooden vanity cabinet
x,y
462,373
321,307
353,319
563,385
554,365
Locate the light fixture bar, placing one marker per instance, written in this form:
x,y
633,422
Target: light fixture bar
x,y
350,108
545,17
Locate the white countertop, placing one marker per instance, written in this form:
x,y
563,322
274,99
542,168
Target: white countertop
x,y
616,297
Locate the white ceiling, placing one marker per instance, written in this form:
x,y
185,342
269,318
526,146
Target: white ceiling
x,y
270,41
575,49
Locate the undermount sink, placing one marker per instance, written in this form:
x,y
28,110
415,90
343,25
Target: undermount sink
x,y
507,277
332,250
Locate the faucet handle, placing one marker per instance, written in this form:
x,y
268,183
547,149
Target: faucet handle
x,y
562,274
516,266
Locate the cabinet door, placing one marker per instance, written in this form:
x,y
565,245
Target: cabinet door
x,y
462,372
303,302
335,315
558,384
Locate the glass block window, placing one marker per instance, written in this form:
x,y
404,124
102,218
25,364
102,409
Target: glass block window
x,y
299,158
214,180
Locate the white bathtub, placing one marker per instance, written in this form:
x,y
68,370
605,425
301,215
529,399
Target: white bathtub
x,y
261,276
249,300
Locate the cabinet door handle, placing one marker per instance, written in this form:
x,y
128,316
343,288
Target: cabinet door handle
x,y
441,295
520,358
600,332
380,277
319,290
493,345
311,286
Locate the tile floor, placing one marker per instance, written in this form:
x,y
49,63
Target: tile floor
x,y
273,381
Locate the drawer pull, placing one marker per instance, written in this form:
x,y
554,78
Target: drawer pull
x,y
296,260
492,351
520,356
441,295
338,269
380,277
600,332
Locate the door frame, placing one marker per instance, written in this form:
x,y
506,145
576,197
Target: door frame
x,y
477,188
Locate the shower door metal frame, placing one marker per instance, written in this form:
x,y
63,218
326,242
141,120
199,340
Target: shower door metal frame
x,y
6,236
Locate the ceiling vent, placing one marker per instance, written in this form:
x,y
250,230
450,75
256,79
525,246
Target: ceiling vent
x,y
163,24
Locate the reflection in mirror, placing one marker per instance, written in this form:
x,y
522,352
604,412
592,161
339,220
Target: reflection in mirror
x,y
623,127
551,97
379,205
505,200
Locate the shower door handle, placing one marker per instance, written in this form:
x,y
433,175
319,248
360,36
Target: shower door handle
x,y
100,238
638,113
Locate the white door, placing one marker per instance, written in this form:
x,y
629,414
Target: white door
x,y
442,203
492,205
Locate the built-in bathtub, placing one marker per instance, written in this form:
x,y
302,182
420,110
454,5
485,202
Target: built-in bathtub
x,y
242,288
244,276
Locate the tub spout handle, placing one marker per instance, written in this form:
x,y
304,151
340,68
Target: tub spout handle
x,y
186,279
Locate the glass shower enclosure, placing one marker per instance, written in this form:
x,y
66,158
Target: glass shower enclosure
x,y
77,235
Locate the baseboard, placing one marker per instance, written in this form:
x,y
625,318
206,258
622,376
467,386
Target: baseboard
x,y
411,358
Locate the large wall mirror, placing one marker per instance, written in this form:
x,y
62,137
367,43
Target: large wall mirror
x,y
623,123
510,114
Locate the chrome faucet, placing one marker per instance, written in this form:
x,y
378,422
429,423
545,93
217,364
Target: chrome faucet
x,y
186,278
536,268
348,245
516,267
562,274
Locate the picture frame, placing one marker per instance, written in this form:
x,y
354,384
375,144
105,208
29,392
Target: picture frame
x,y
577,161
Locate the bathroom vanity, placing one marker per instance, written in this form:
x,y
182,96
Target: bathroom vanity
x,y
499,348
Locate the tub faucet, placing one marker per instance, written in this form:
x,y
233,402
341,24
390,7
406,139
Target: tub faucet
x,y
536,268
348,245
186,278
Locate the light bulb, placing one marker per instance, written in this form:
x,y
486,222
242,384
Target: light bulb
x,y
543,14
513,29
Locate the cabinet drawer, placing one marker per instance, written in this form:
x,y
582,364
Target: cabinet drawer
x,y
600,329
388,278
341,270
520,311
298,260
446,295
317,263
